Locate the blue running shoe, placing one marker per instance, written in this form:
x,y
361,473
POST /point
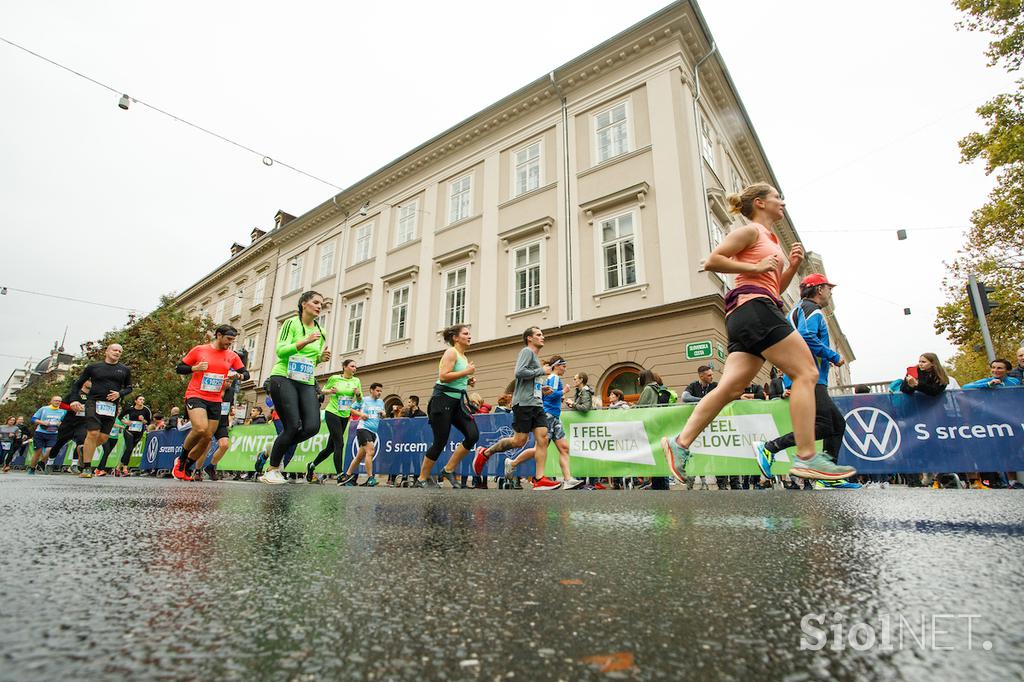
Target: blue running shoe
x,y
764,458
677,456
836,485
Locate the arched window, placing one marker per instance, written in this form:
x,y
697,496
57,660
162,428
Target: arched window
x,y
390,402
626,379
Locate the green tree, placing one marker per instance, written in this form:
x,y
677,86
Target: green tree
x,y
34,396
994,247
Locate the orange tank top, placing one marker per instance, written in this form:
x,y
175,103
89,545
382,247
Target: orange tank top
x,y
766,245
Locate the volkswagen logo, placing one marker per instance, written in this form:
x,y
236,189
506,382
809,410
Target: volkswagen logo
x,y
871,434
151,448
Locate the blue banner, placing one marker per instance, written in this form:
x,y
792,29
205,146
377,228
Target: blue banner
x,y
163,447
957,431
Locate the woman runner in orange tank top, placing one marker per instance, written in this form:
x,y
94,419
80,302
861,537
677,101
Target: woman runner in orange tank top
x,y
758,330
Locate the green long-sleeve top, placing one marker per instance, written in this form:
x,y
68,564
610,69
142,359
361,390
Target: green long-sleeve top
x,y
297,364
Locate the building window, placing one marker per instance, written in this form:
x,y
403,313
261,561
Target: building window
x,y
323,322
619,250
295,273
627,380
735,180
218,314
460,197
612,128
250,348
717,232
455,297
707,145
354,339
527,276
364,243
527,169
406,223
259,290
399,313
326,260
236,305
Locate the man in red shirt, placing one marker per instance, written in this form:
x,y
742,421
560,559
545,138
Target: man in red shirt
x,y
212,366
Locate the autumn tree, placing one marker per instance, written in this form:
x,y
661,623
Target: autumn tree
x,y
994,245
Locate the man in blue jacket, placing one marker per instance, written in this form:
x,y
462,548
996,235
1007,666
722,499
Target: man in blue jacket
x,y
829,424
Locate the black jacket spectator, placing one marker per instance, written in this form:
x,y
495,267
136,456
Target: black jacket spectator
x,y
927,383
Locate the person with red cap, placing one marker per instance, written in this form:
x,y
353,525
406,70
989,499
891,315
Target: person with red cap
x,y
808,317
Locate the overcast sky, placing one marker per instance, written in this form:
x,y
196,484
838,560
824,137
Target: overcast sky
x,y
859,108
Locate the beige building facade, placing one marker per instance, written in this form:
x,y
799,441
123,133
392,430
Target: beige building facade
x,y
583,203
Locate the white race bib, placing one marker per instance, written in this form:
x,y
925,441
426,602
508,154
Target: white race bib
x,y
538,389
225,408
211,382
345,402
300,368
6,445
115,432
135,426
105,409
53,421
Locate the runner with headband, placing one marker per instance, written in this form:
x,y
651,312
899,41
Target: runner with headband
x,y
343,391
758,331
301,346
448,407
212,366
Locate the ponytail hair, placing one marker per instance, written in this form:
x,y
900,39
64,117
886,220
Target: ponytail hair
x,y
743,203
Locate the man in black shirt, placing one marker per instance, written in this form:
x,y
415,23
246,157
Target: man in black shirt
x,y
412,407
111,381
136,418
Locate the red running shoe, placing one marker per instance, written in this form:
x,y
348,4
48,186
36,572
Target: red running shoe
x,y
546,483
179,471
479,460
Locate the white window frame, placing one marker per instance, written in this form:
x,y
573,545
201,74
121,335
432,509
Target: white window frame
x,y
354,326
363,237
628,123
447,319
251,342
326,262
514,288
393,334
735,179
718,232
599,244
516,191
218,312
236,305
452,196
295,266
259,290
707,140
407,225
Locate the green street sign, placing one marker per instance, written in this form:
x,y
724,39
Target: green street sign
x,y
698,350
720,352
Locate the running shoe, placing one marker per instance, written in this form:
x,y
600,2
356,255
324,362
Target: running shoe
x,y
310,476
179,471
371,482
836,485
820,467
546,483
31,471
75,470
101,472
211,472
197,475
479,460
85,473
343,479
571,484
5,470
510,467
450,477
677,456
764,458
273,477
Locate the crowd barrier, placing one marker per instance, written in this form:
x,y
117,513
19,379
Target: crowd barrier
x,y
886,434
64,457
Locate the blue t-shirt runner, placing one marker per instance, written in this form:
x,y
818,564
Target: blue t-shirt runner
x,y
48,419
373,409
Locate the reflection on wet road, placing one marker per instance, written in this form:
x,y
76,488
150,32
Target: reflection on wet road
x,y
147,578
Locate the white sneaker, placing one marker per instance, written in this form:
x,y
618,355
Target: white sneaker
x,y
883,484
571,483
273,477
509,467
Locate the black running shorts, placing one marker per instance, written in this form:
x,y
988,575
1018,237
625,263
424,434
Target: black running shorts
x,y
756,325
526,418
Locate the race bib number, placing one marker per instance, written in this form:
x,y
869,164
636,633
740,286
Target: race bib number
x,y
345,402
225,408
135,426
6,445
53,421
105,409
211,382
115,432
538,389
300,369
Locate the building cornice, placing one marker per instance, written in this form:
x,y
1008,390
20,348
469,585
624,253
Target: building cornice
x,y
225,270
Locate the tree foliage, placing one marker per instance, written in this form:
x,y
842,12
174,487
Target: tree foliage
x,y
994,246
153,345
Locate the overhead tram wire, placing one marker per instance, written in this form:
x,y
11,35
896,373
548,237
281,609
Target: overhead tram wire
x,y
856,231
265,158
69,298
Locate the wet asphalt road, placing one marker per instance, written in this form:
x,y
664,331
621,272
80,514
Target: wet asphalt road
x,y
156,579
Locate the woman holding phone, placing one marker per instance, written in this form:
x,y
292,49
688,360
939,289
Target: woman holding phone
x,y
927,376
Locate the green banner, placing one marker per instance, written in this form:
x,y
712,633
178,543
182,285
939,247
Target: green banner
x,y
247,442
114,458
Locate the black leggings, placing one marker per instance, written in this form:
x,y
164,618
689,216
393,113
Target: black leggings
x,y
108,447
299,410
444,412
67,433
131,439
335,442
829,426
9,455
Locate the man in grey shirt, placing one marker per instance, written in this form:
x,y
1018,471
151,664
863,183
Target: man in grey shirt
x,y
527,412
